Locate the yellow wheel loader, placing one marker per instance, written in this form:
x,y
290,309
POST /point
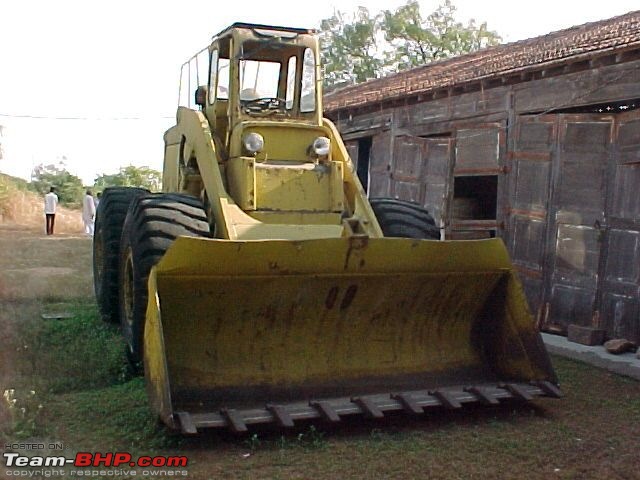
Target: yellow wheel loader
x,y
263,286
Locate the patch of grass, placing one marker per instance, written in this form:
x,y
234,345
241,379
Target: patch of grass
x,y
118,416
310,439
75,384
74,354
92,404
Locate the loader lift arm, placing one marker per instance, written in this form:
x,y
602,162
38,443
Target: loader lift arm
x,y
264,286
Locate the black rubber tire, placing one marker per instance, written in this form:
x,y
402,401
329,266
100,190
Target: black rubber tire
x,y
112,210
399,218
152,224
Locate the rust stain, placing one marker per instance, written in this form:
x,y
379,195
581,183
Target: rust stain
x,y
348,297
355,243
331,298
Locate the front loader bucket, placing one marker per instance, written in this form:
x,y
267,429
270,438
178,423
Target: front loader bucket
x,y
243,332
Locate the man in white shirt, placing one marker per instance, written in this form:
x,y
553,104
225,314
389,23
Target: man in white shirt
x,y
50,205
88,213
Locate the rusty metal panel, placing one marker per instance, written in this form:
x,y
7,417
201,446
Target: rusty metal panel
x,y
380,160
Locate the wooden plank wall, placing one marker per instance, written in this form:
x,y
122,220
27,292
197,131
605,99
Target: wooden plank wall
x,y
567,201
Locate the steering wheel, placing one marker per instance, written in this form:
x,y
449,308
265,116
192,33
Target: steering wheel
x,y
261,104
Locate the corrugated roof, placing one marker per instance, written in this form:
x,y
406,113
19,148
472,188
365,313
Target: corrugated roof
x,y
584,40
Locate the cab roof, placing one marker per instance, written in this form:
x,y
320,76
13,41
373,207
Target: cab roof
x,y
258,26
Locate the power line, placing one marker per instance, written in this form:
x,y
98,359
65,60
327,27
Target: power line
x,y
46,117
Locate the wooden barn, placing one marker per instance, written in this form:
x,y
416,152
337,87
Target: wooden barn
x,y
536,142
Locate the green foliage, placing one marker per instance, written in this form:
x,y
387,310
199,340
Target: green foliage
x,y
348,47
120,413
417,40
68,187
79,379
76,353
362,47
130,176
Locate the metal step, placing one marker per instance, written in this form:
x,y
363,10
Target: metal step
x,y
370,406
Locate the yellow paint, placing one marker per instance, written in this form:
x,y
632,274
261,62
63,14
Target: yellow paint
x,y
286,298
279,313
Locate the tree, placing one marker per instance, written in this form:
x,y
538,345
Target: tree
x,y
68,187
366,46
130,177
348,49
417,41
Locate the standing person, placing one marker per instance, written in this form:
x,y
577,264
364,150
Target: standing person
x,y
50,205
96,201
88,213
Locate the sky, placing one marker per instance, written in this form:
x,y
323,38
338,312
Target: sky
x,y
105,74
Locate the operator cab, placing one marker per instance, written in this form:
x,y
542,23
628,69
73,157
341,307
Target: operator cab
x,y
276,69
259,88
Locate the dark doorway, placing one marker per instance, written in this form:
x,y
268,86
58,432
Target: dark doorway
x,y
362,165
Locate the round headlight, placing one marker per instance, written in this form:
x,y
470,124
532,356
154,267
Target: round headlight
x,y
253,142
321,146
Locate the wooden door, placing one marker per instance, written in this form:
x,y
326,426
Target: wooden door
x,y
619,292
421,172
577,217
530,166
380,161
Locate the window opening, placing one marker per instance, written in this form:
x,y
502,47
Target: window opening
x,y
308,96
475,197
291,82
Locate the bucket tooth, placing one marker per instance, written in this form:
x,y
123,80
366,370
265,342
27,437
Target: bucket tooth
x,y
282,415
482,395
186,423
447,399
517,391
369,408
234,419
408,403
549,389
326,411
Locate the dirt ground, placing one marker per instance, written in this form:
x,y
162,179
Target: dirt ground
x,y
594,432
